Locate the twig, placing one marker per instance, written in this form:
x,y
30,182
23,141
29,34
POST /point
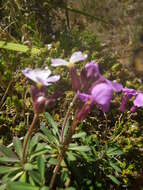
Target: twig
x,y
11,144
5,94
25,143
66,118
63,151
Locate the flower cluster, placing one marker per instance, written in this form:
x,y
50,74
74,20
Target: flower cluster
x,y
39,93
128,94
90,85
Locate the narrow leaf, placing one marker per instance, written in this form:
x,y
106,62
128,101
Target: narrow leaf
x,y
18,146
8,160
41,167
114,179
7,151
116,167
79,135
18,47
80,148
20,186
6,169
52,123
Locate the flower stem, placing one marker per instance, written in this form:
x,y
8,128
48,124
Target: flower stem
x,y
35,119
63,151
66,117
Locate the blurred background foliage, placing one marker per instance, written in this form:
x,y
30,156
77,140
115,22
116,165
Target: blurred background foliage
x,y
108,31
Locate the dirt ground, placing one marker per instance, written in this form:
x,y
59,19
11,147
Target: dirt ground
x,y
123,32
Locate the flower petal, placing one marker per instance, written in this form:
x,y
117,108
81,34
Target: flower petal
x,y
84,97
102,94
37,75
54,78
92,69
129,91
78,56
58,62
117,87
138,102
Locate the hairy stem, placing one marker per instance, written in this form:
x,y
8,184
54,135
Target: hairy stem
x,y
63,151
28,135
66,118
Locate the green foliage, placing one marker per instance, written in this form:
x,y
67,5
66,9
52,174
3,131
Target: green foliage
x,y
104,153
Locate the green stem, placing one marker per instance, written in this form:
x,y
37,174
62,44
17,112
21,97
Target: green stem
x,y
63,151
28,135
66,117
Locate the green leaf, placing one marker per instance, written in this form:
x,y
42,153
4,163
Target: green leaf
x,y
18,146
79,135
3,187
80,148
6,169
8,160
115,166
21,186
18,47
39,152
113,151
44,188
53,161
67,126
28,167
31,181
71,156
33,143
52,123
50,138
17,176
114,179
23,177
7,151
36,177
41,167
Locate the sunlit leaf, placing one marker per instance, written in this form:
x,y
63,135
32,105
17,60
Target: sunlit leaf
x,y
18,146
41,167
52,123
114,179
21,186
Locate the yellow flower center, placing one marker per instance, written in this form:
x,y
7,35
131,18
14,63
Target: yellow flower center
x,y
70,65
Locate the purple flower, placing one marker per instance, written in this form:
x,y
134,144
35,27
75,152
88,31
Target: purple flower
x,y
75,79
101,94
75,57
41,99
128,94
92,69
89,75
138,102
41,76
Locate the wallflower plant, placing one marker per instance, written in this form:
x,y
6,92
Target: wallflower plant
x,y
39,95
91,89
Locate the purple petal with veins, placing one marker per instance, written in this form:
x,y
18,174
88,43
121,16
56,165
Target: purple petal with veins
x,y
77,56
102,94
41,76
58,62
84,97
117,87
92,69
138,102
